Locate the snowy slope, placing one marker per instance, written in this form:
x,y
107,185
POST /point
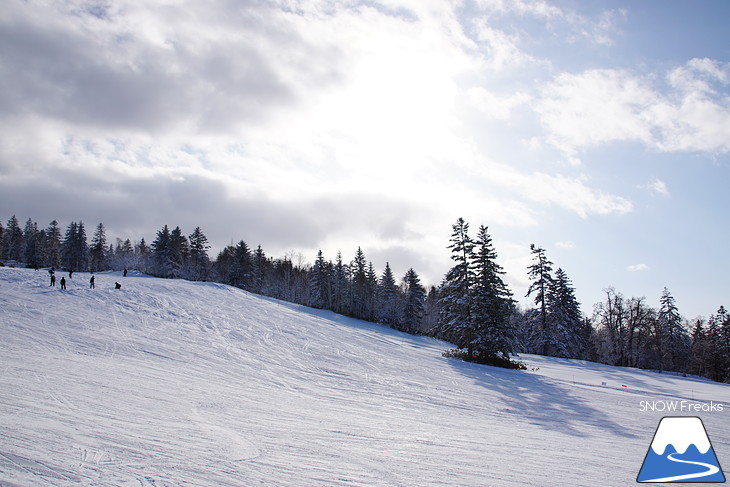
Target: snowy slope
x,y
178,383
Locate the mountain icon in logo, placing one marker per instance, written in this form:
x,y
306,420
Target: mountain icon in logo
x,y
681,452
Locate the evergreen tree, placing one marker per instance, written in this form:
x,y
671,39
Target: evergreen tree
x,y
52,246
239,274
341,287
97,250
319,284
258,273
718,336
2,241
456,322
359,294
675,343
162,253
142,255
491,302
388,299
540,272
414,302
13,240
179,253
123,254
199,260
75,249
565,319
32,244
431,312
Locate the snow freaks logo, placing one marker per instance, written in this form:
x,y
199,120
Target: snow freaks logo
x,y
681,452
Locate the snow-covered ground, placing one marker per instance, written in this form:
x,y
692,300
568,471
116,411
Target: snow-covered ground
x,y
178,383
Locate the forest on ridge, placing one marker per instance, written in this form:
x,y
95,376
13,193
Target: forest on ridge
x,y
472,307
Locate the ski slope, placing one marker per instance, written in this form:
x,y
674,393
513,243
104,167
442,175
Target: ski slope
x,y
172,383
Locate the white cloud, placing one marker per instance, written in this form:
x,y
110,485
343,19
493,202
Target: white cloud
x,y
657,186
638,268
605,105
567,244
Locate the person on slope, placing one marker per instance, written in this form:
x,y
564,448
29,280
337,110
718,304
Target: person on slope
x,y
53,279
63,283
117,285
91,282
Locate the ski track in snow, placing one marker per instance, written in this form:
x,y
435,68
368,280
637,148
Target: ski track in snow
x,y
168,383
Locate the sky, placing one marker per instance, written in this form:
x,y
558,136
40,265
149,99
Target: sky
x,y
599,131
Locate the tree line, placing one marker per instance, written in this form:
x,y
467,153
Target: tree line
x,y
472,307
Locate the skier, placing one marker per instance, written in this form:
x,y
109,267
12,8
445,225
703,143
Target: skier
x,y
91,282
53,279
70,273
117,285
63,283
125,273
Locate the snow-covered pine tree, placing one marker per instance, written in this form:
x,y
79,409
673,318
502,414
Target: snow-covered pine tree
x,y
142,253
52,245
456,322
359,296
259,270
564,317
388,299
239,271
491,302
2,241
675,345
32,244
341,287
179,253
414,298
541,274
97,249
75,249
199,261
718,334
162,253
13,240
319,283
123,255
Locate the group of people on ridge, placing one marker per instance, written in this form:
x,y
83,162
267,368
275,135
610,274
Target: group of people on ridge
x,y
92,280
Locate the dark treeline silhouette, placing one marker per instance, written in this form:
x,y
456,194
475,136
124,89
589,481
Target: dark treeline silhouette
x,y
472,307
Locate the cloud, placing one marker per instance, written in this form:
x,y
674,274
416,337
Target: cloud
x,y
637,268
657,186
567,244
573,26
600,106
189,68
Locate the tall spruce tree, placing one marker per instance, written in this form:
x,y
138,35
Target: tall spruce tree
x,y
359,296
199,261
319,283
179,253
414,299
13,240
52,246
456,321
542,281
675,342
564,332
491,302
162,253
97,250
388,299
75,249
32,244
